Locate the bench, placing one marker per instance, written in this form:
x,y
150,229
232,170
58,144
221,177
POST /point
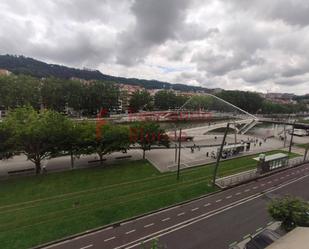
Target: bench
x,y
13,172
97,160
123,157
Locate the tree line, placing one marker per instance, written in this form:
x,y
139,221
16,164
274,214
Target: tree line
x,y
87,98
57,94
48,134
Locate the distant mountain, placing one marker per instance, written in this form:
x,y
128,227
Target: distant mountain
x,y
29,66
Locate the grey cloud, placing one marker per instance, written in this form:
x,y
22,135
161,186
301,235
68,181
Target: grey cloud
x,y
192,31
218,43
156,22
294,12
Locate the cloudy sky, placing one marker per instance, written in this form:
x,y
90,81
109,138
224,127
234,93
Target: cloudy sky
x,y
258,45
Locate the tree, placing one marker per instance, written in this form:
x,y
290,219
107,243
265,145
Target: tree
x,y
248,101
7,146
140,100
164,100
79,140
148,134
111,138
100,95
16,91
290,211
38,135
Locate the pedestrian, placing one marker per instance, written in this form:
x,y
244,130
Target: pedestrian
x,y
44,169
207,154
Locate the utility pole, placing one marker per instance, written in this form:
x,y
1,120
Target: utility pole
x,y
179,150
306,153
235,132
220,154
285,137
292,135
175,146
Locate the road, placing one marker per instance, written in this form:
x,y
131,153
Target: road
x,y
212,222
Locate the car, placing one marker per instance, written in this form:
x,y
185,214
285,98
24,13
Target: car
x,y
262,240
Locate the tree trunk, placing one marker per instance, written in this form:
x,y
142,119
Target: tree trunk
x,y
38,166
72,159
144,154
101,159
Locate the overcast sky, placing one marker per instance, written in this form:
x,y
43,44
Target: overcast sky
x,y
260,45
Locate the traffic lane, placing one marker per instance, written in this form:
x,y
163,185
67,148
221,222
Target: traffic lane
x,y
141,227
232,225
218,231
180,217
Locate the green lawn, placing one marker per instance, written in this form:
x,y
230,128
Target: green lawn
x,y
304,146
38,209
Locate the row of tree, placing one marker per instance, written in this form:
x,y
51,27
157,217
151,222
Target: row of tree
x,y
87,98
162,100
47,134
57,94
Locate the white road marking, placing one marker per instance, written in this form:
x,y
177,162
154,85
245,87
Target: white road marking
x,y
132,231
247,190
194,220
282,177
149,225
238,193
247,236
207,204
255,187
85,247
262,185
269,182
166,219
219,200
194,209
228,197
111,238
180,214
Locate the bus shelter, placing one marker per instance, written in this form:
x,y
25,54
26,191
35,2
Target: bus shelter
x,y
271,162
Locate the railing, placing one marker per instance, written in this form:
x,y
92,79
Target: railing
x,y
235,179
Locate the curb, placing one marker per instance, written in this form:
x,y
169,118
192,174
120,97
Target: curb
x,y
118,223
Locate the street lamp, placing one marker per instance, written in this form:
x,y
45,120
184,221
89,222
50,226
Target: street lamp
x,y
220,154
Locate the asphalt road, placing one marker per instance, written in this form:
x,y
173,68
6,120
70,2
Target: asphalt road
x,y
212,222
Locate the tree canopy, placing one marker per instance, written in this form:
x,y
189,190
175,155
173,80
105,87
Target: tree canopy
x,y
290,211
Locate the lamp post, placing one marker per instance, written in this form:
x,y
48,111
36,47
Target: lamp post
x,y
219,156
292,135
179,150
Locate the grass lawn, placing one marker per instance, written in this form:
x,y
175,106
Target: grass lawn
x,y
304,146
38,209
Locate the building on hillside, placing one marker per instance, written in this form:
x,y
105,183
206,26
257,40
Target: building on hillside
x,y
281,98
153,92
130,89
126,92
4,72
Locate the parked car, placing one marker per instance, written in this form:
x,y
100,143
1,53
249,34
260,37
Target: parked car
x,y
262,240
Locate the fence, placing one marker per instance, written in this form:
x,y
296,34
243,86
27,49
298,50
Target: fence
x,y
235,179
